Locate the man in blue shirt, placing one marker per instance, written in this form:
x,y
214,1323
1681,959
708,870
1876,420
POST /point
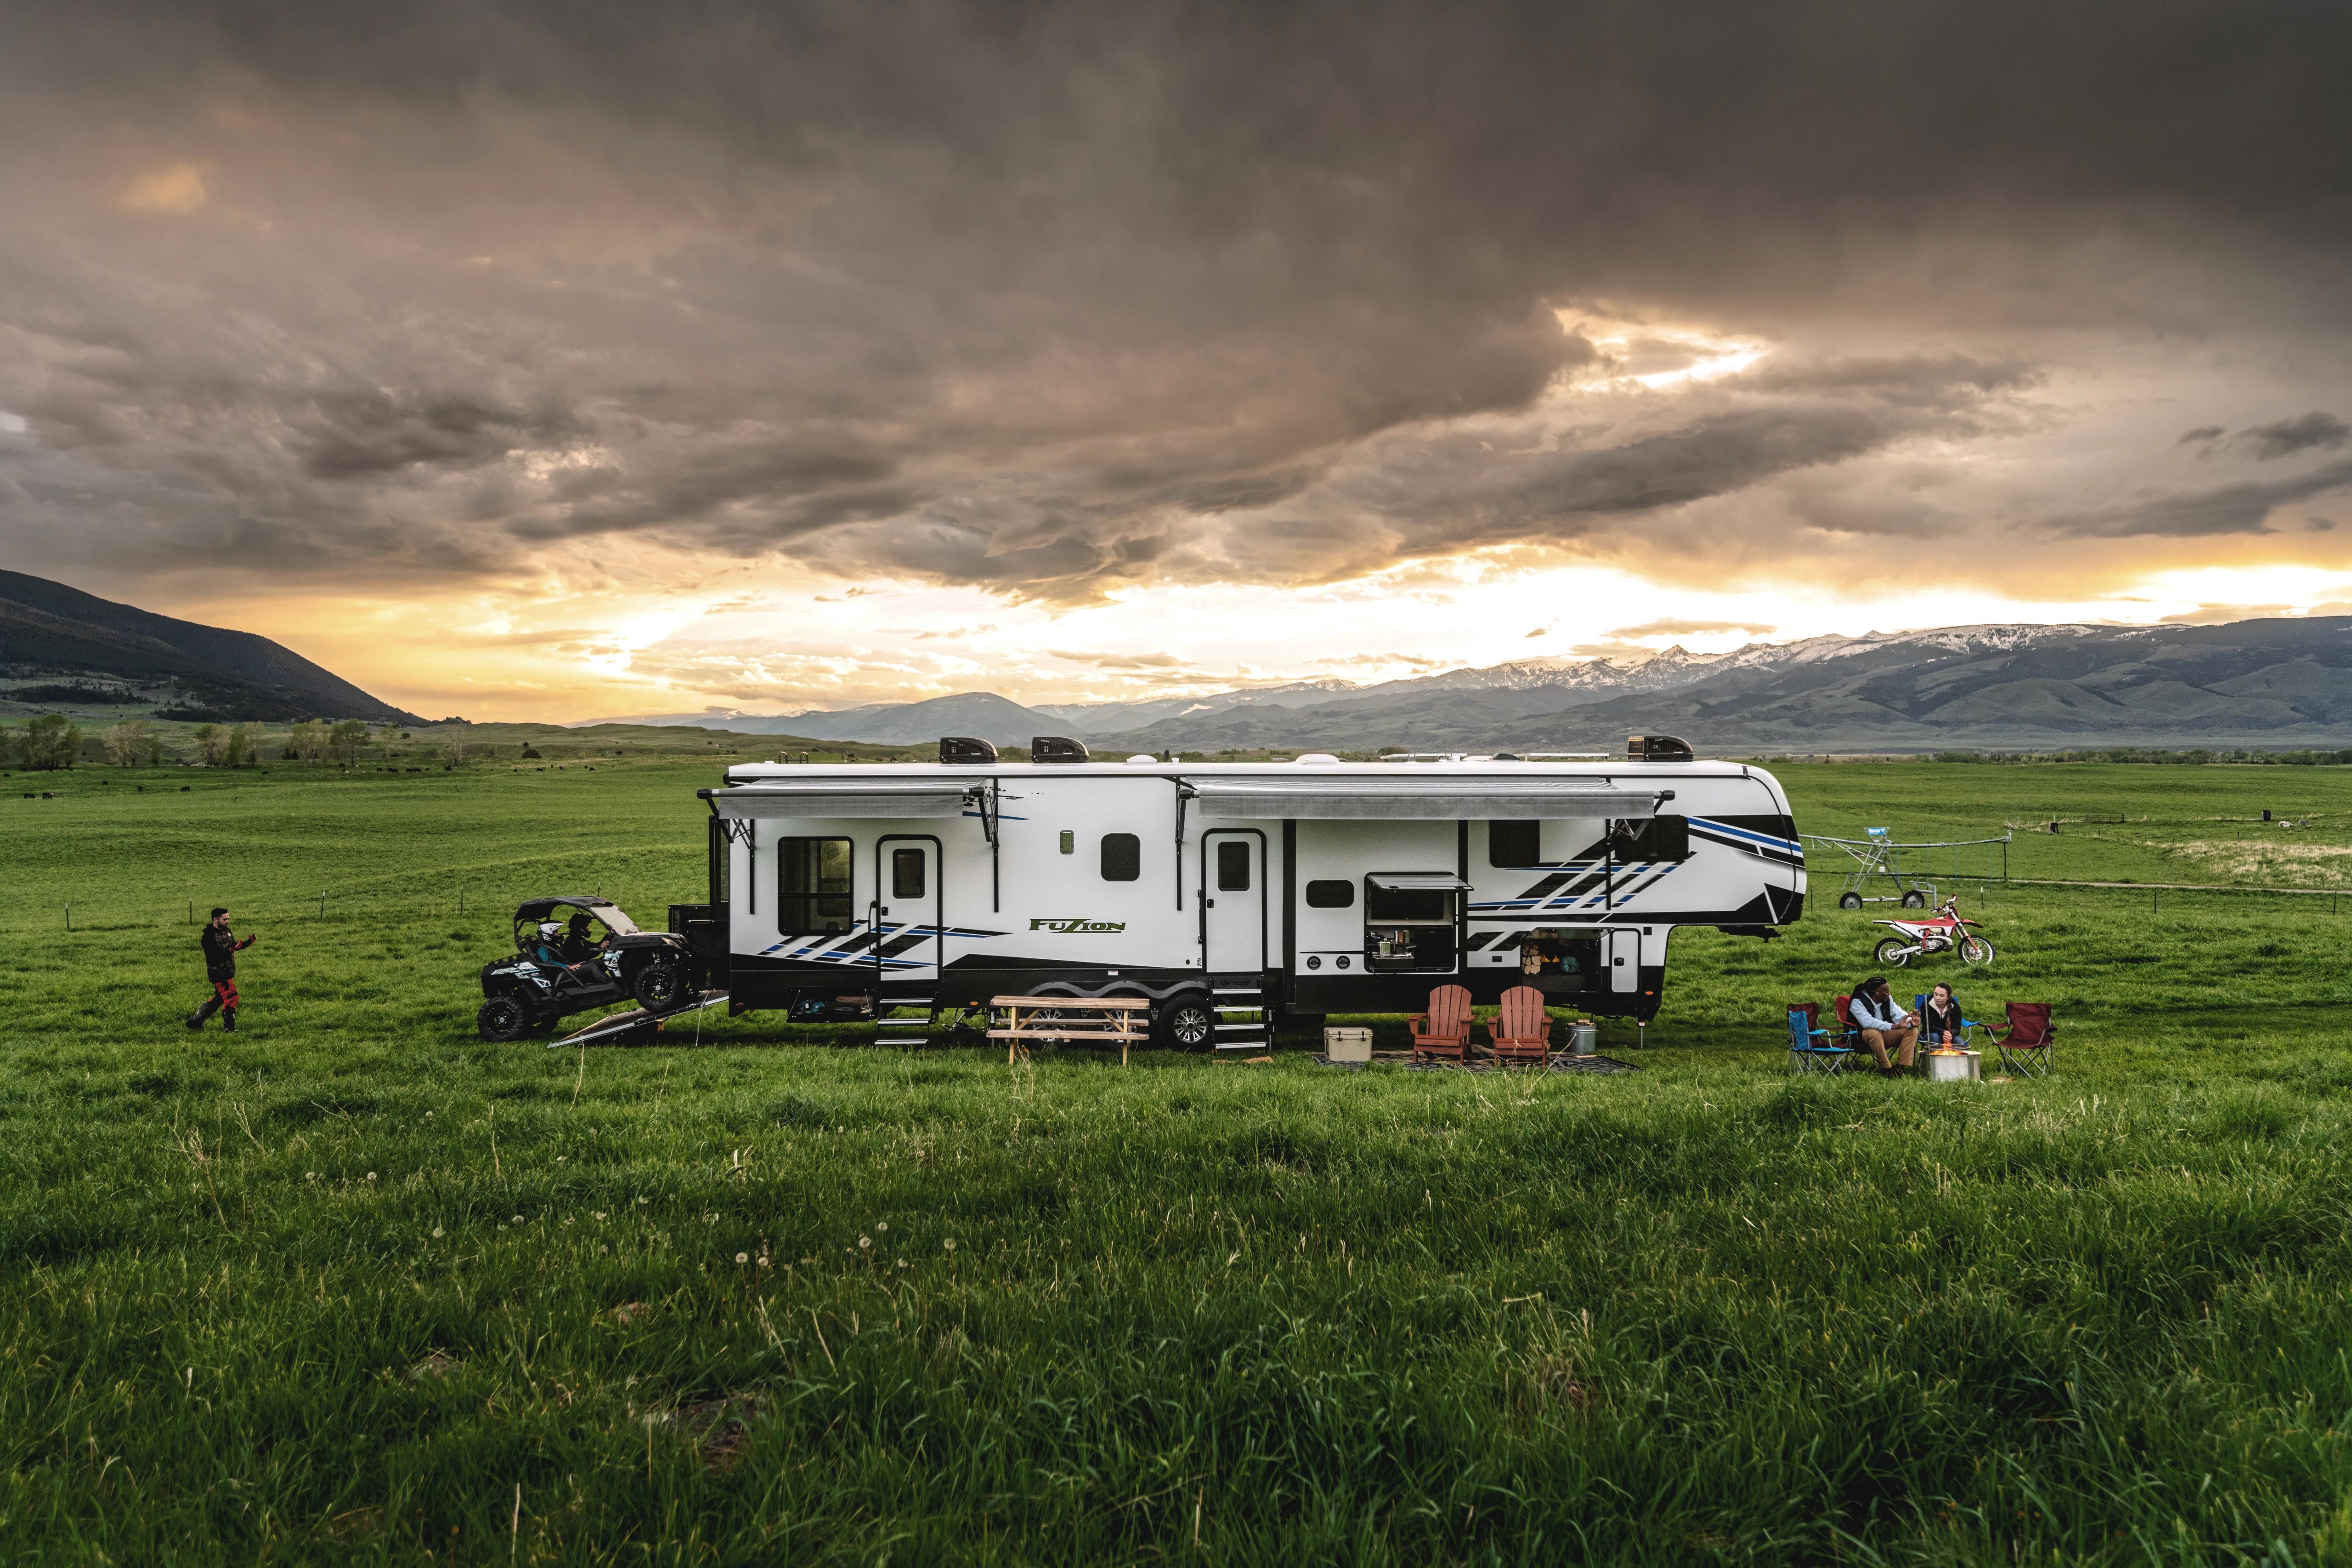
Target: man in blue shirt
x,y
1883,1024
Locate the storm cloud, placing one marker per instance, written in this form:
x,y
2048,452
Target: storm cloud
x,y
1050,299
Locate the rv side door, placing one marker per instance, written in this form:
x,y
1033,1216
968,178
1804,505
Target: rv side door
x,y
909,936
1233,900
1625,950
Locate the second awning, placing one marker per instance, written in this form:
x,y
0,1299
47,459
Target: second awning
x,y
1408,799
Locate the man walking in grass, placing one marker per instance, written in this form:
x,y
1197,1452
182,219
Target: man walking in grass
x,y
221,948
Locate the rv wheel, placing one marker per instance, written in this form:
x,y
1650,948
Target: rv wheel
x,y
1186,1023
503,1018
1850,900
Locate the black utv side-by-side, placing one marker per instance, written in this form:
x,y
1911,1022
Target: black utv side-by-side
x,y
575,954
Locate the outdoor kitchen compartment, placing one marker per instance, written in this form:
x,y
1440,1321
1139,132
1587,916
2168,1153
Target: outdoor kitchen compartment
x,y
1410,923
1559,963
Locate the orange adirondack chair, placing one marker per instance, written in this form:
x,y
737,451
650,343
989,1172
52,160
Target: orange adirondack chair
x,y
1444,1029
1521,1029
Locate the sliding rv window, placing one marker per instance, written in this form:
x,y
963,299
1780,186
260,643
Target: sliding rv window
x,y
813,887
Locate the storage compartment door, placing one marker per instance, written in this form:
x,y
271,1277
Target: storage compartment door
x,y
1624,947
1232,902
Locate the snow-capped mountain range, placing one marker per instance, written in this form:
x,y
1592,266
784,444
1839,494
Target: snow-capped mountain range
x,y
2272,682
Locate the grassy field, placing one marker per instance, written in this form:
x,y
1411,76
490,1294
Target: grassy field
x,y
351,1285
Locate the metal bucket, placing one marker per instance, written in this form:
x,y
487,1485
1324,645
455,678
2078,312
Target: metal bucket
x,y
1950,1067
1583,1038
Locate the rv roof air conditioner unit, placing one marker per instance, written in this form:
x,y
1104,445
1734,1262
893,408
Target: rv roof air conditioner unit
x,y
1656,749
1057,749
963,748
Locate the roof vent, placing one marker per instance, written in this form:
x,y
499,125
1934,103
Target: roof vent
x,y
963,748
1143,757
1656,749
1318,759
1057,749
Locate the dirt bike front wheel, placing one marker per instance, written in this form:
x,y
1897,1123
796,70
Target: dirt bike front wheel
x,y
1894,952
1975,950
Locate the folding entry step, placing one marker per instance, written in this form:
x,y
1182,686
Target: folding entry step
x,y
1229,1002
884,1027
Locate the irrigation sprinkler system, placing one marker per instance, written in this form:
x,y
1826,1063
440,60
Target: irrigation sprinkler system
x,y
1912,869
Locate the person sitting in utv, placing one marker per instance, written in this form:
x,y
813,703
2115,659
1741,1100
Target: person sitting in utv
x,y
576,942
547,946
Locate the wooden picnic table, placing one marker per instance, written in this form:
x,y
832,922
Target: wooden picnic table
x,y
1121,1018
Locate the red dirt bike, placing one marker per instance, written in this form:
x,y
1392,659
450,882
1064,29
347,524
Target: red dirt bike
x,y
1945,931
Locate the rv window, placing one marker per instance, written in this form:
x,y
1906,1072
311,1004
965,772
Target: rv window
x,y
1515,843
1418,905
905,873
1122,856
813,887
1232,866
1331,895
1659,839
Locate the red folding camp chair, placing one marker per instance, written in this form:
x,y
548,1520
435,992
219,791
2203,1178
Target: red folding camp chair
x,y
2030,1046
1444,1029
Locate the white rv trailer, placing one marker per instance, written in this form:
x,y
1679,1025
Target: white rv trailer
x,y
1225,889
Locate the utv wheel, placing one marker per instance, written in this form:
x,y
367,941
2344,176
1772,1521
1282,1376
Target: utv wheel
x,y
1915,900
1850,900
1893,952
659,986
1975,950
503,1018
1185,1024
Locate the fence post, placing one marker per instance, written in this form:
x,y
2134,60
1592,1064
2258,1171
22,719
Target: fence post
x,y
68,917
322,903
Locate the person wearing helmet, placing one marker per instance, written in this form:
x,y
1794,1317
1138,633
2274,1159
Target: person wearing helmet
x,y
548,945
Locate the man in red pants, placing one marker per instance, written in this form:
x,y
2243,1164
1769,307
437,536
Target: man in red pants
x,y
221,948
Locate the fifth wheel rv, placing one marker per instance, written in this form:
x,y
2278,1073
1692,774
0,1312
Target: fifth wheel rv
x,y
1231,895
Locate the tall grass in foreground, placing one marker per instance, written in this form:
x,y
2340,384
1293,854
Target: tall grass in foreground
x,y
353,1286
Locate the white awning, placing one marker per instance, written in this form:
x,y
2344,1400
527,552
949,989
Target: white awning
x,y
1419,881
1437,798
891,798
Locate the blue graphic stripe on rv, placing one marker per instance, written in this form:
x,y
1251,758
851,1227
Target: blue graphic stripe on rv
x,y
856,944
1594,891
1764,846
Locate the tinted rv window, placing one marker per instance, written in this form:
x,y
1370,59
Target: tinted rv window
x,y
813,885
1660,838
905,873
1331,895
1515,843
1122,856
1232,866
1417,904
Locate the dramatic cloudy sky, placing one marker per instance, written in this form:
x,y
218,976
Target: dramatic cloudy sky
x,y
576,358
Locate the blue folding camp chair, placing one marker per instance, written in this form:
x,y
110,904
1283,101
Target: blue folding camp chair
x,y
1811,1047
1920,1011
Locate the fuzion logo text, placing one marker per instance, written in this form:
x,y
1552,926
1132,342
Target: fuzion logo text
x,y
1078,928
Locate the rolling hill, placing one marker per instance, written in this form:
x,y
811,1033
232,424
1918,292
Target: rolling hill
x,y
49,630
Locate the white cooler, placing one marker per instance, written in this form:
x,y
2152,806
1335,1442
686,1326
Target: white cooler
x,y
1348,1045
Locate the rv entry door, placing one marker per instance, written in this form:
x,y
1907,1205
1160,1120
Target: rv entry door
x,y
909,937
1232,902
1625,959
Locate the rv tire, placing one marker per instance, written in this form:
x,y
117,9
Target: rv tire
x,y
1186,1023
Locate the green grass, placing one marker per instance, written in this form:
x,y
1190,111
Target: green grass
x,y
335,1287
